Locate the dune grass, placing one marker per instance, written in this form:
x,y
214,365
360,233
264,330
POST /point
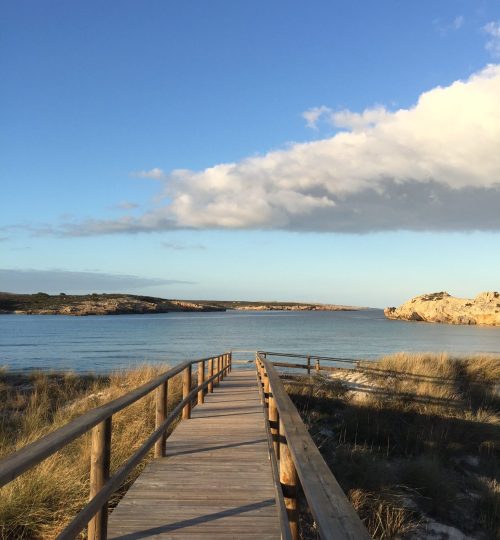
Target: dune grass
x,y
416,443
41,501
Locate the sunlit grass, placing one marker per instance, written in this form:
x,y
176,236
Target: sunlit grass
x,y
41,501
417,440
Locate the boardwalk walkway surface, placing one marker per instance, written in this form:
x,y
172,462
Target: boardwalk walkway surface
x,y
216,481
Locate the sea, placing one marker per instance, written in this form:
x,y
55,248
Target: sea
x,y
106,343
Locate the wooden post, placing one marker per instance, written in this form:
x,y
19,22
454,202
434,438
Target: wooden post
x,y
216,368
230,361
308,365
262,375
201,380
274,421
100,454
317,365
266,392
259,375
160,416
210,388
222,361
289,480
186,388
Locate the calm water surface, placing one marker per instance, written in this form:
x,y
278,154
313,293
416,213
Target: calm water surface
x,y
104,343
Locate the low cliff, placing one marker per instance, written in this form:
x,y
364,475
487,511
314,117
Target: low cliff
x,y
443,308
94,304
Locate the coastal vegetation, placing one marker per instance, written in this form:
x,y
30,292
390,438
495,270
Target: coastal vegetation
x,y
95,304
41,501
414,442
412,439
118,304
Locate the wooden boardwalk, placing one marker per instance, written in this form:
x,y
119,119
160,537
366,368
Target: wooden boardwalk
x,y
216,481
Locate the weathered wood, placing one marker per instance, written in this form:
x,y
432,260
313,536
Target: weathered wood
x,y
186,388
160,415
289,482
282,511
266,389
260,374
317,364
86,514
100,456
210,387
333,513
290,365
312,356
216,480
201,380
308,365
29,456
274,424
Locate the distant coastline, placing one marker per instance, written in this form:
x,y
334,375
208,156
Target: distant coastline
x,y
122,304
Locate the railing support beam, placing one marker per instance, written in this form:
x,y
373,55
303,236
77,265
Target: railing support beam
x,y
201,380
274,422
210,387
100,453
186,388
289,481
160,416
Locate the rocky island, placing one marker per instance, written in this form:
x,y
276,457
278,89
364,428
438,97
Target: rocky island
x,y
120,304
443,308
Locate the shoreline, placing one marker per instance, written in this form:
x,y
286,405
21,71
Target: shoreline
x,y
128,304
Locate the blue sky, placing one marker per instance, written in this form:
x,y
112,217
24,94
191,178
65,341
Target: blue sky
x,y
251,150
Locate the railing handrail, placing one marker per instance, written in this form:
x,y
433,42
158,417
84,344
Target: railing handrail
x,y
311,356
32,454
114,482
99,420
334,515
280,501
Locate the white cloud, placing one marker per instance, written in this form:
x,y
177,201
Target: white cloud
x,y
313,116
154,174
445,27
493,43
434,166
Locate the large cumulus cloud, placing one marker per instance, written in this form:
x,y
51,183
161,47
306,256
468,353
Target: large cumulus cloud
x,y
435,166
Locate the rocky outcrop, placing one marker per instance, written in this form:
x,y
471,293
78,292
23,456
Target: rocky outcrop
x,y
95,304
296,307
443,308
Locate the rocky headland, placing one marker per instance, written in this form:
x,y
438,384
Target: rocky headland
x,y
94,304
440,307
122,304
275,306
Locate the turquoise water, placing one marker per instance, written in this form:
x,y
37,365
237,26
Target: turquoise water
x,y
109,342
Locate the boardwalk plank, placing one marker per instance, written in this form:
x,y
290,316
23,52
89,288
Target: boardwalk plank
x,y
215,481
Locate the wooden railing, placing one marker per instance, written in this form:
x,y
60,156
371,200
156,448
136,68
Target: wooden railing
x,y
313,362
300,464
102,485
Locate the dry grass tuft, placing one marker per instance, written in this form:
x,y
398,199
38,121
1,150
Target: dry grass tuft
x,y
420,428
40,502
383,513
